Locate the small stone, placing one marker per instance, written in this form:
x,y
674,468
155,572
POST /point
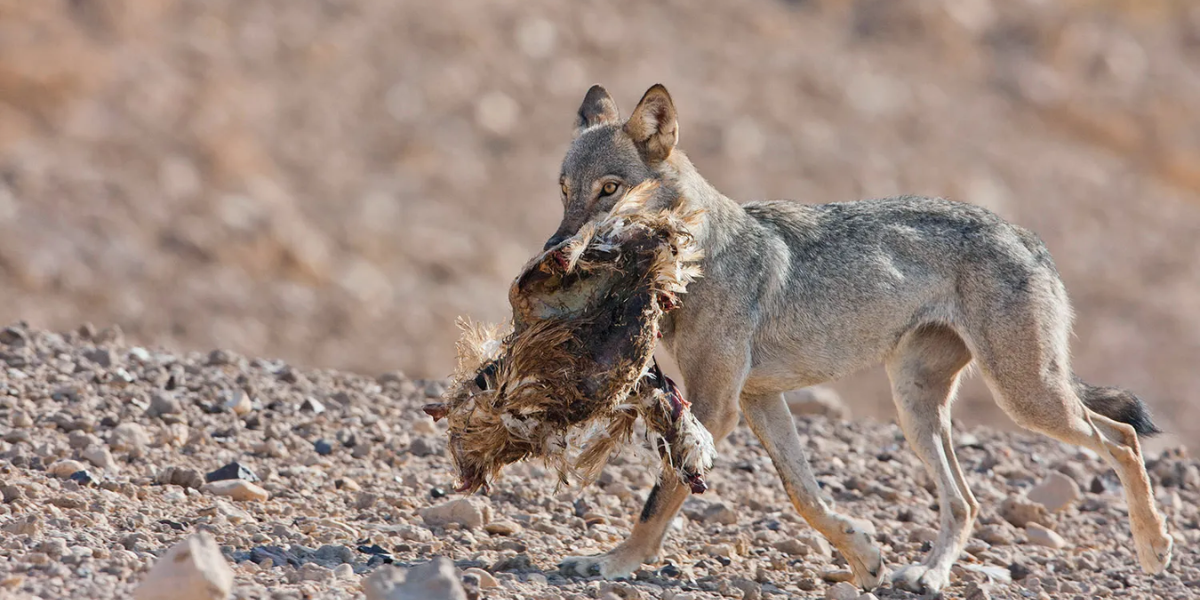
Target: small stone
x,y
101,457
78,440
365,500
193,569
1056,492
101,356
837,576
472,513
82,478
719,512
976,591
424,446
1042,536
238,489
312,405
233,470
486,580
1019,511
817,400
22,420
994,535
11,493
923,534
436,493
1018,570
128,437
502,527
239,402
433,580
162,403
345,483
188,478
722,550
841,591
323,447
792,547
63,469
343,571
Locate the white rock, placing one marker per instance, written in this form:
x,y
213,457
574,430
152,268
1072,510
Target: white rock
x,y
193,569
101,457
1056,492
1041,536
239,402
63,469
842,591
434,580
237,489
128,436
486,580
472,513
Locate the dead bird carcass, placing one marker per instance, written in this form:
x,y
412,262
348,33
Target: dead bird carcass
x,y
568,379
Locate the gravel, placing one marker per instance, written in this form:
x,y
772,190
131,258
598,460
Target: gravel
x,y
319,525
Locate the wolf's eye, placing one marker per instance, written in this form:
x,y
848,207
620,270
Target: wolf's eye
x,y
609,189
563,188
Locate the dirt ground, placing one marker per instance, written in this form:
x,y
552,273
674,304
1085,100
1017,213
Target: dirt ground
x,y
105,449
333,183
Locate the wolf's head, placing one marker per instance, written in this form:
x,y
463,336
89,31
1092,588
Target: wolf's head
x,y
609,157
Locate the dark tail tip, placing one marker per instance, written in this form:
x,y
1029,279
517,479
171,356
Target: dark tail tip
x,y
1118,405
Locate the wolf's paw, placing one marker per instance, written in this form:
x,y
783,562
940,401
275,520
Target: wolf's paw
x,y
865,559
920,579
614,564
1154,551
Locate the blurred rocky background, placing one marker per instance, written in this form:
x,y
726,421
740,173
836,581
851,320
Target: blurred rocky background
x,y
333,182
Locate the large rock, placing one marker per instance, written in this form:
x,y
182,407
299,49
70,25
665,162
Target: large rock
x,y
434,580
1055,492
472,513
817,400
193,569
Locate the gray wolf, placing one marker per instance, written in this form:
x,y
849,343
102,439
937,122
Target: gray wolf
x,y
794,295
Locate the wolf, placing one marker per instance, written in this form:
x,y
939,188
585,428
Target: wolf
x,y
794,295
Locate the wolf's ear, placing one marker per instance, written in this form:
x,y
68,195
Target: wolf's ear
x,y
598,108
653,126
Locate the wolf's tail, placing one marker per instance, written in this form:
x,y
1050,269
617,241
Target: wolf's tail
x,y
1118,405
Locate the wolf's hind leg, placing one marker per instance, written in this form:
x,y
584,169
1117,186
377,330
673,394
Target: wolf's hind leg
x,y
772,423
924,370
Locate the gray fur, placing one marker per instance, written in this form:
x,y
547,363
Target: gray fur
x,y
795,295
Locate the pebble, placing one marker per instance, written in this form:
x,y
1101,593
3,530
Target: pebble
x,y
239,402
502,527
101,457
163,403
237,489
472,513
1042,536
486,580
323,447
188,478
128,437
842,591
65,468
1019,511
432,580
192,569
1056,492
233,470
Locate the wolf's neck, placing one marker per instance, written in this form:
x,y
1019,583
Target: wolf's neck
x,y
723,217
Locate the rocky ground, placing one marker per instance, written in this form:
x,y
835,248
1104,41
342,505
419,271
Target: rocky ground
x,y
315,484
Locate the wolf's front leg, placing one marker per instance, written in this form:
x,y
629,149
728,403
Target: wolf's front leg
x,y
714,404
644,542
772,423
